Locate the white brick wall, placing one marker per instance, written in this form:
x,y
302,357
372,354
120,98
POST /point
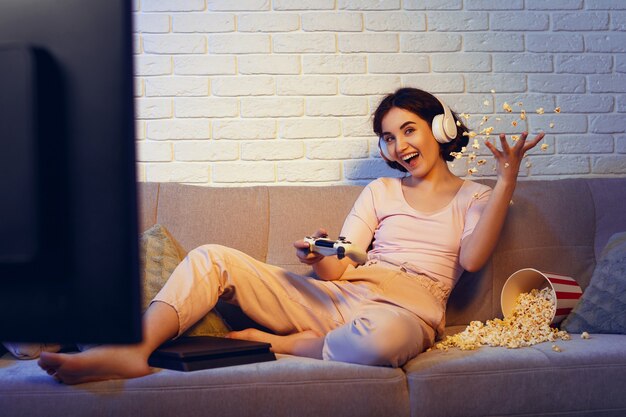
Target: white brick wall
x,y
254,92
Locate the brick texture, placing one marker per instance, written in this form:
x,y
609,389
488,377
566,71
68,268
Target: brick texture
x,y
281,91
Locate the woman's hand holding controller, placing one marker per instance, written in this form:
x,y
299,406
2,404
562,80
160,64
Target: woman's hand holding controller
x,y
303,252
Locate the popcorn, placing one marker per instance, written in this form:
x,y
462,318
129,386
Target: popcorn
x,y
528,325
584,335
506,165
544,147
485,131
481,162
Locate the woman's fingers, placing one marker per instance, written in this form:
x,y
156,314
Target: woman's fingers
x,y
533,142
496,153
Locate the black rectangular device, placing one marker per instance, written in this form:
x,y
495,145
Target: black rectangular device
x,y
203,352
68,211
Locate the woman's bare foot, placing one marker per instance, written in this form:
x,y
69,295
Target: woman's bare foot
x,y
307,343
97,364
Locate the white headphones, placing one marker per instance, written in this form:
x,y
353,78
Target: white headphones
x,y
444,130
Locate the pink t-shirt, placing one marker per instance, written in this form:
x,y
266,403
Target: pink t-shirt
x,y
428,242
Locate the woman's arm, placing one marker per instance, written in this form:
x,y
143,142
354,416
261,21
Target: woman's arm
x,y
477,247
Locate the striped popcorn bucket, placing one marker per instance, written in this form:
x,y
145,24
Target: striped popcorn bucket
x,y
565,288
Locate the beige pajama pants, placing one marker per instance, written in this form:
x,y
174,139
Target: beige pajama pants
x,y
376,314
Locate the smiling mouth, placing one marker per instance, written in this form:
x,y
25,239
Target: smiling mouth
x,y
410,157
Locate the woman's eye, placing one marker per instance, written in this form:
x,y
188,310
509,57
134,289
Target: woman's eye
x,y
388,139
409,131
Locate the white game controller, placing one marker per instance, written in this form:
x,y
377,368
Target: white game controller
x,y
340,247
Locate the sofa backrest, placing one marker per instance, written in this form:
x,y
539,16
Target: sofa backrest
x,y
553,225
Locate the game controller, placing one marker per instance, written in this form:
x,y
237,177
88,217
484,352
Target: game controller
x,y
340,247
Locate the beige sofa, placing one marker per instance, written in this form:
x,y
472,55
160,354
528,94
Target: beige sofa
x,y
558,225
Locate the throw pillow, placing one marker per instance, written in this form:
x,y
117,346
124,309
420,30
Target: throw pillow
x,y
159,255
602,307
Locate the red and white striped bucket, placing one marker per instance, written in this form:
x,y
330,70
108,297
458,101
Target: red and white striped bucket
x,y
565,288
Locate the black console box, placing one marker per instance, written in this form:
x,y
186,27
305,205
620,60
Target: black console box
x,y
204,352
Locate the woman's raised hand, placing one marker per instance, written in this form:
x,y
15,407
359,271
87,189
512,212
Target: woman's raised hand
x,y
510,158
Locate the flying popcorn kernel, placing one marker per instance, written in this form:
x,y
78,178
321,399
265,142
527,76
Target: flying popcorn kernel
x,y
551,125
544,147
557,110
486,103
475,195
529,164
584,335
514,123
522,115
540,110
487,131
472,171
475,144
507,107
458,123
481,162
514,138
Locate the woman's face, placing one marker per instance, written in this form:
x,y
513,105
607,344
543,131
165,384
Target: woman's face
x,y
410,142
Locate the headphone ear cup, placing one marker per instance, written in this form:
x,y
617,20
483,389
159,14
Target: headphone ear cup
x,y
438,129
382,147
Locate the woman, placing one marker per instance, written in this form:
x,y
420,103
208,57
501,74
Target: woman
x,y
424,229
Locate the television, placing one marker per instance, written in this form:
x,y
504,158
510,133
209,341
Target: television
x,y
68,211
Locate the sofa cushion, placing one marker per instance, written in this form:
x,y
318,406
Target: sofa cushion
x,y
588,376
290,386
602,306
233,217
609,209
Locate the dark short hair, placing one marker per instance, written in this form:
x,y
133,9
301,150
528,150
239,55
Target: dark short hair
x,y
426,106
